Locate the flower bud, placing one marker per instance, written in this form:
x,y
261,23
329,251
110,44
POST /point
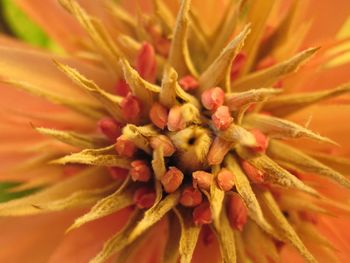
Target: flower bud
x,y
237,212
190,197
202,179
237,65
172,180
225,179
222,118
188,83
165,142
262,141
146,63
144,197
140,171
122,88
213,98
125,147
110,128
176,121
131,108
255,175
159,115
202,214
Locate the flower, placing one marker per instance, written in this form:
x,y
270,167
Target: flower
x,y
175,136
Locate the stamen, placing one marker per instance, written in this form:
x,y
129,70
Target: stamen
x,y
159,115
218,149
144,197
110,128
225,180
176,121
255,175
146,63
237,212
222,118
190,197
261,141
202,179
188,83
172,179
213,98
118,173
165,142
140,171
202,214
237,65
125,147
131,108
122,88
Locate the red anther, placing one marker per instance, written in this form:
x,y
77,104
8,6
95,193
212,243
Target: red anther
x,y
110,128
262,142
213,98
176,121
222,118
118,173
237,65
265,63
159,115
202,214
190,197
255,175
146,63
202,179
140,171
225,179
125,147
188,83
172,179
165,142
218,150
122,88
237,212
131,108
144,197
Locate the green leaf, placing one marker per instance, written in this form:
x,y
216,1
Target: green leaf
x,y
24,28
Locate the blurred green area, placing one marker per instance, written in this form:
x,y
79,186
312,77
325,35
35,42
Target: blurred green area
x,y
7,191
14,22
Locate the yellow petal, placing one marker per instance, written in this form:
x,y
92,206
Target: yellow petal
x,y
88,179
288,104
179,56
281,128
246,192
109,101
74,139
158,163
154,214
219,71
274,173
282,225
267,77
302,162
189,236
98,157
120,199
89,110
168,94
